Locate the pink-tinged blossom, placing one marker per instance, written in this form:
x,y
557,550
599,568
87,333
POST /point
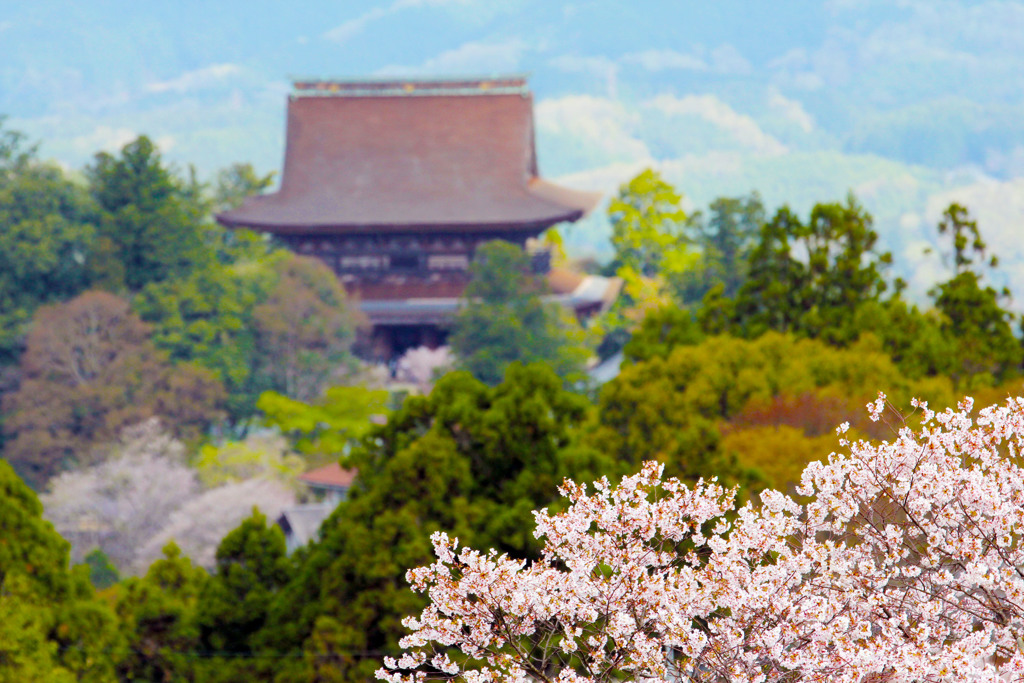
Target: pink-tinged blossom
x,y
905,563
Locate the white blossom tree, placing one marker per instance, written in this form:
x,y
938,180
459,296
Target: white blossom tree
x,y
905,562
144,495
125,500
421,366
198,526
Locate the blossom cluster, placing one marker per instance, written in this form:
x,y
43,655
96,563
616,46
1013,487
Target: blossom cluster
x,y
903,561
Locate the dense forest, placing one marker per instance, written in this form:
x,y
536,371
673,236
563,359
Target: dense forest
x,y
161,376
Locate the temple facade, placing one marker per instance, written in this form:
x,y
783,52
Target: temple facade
x,y
394,184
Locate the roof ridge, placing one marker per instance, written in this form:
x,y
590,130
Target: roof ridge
x,y
402,87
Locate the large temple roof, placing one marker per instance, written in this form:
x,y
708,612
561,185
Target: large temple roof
x,y
397,156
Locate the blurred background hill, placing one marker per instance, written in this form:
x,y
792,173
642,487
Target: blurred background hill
x,y
909,104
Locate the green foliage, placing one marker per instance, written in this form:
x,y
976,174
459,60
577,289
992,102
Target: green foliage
x,y
26,651
985,342
725,242
661,331
504,320
46,239
207,318
914,339
811,278
51,626
251,567
102,572
29,545
259,455
235,183
652,253
325,429
647,225
158,618
967,244
86,630
671,408
469,459
280,322
985,347
772,298
151,221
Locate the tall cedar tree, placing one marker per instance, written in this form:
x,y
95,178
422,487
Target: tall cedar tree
x,y
971,313
810,278
158,619
151,223
251,567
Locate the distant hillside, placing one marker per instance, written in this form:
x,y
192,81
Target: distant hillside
x,y
908,104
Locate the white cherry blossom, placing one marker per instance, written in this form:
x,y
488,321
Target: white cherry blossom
x,y
904,563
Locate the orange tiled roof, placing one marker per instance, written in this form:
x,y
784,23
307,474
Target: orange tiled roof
x,y
332,476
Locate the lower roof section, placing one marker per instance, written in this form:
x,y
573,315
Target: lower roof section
x,y
584,294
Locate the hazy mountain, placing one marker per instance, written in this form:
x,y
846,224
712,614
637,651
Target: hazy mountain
x,y
909,103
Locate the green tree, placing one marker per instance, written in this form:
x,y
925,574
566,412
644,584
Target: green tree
x,y
985,347
725,242
51,626
652,252
469,459
647,224
207,319
87,632
25,650
660,332
772,298
326,428
151,220
237,182
157,613
46,239
102,572
276,322
251,567
30,545
504,320
811,278
913,338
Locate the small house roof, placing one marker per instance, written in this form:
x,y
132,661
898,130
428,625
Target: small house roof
x,y
397,156
301,523
329,476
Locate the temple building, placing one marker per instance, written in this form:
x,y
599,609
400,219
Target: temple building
x,y
394,184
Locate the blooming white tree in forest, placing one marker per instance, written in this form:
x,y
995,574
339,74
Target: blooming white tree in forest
x,y
144,494
123,501
903,562
422,366
199,525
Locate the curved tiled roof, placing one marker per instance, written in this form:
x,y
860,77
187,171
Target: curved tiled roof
x,y
379,157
